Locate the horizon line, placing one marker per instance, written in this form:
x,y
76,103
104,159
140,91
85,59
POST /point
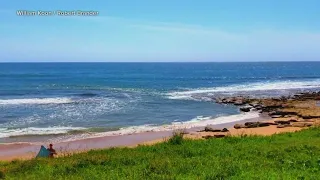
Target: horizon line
x,y
152,61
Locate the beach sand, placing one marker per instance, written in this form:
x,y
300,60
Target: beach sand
x,y
261,131
24,151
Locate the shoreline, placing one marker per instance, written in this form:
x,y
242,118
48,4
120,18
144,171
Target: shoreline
x,y
26,150
198,123
302,108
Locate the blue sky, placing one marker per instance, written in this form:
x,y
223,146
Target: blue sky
x,y
166,30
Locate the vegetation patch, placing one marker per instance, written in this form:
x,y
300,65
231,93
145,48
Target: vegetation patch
x,y
283,156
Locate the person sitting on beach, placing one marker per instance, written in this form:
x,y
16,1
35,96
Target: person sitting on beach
x,y
52,151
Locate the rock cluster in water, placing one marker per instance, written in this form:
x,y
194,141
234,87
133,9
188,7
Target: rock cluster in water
x,y
272,106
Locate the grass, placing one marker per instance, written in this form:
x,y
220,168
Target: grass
x,y
284,156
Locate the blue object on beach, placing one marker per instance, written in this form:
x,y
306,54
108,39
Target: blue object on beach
x,y
44,152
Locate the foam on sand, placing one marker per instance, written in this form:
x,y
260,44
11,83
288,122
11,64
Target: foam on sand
x,y
196,122
8,132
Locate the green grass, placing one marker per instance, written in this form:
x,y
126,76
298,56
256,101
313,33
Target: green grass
x,y
284,156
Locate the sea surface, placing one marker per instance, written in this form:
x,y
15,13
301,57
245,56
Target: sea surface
x,y
67,99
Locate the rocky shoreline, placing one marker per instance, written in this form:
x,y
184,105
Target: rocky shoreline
x,y
300,110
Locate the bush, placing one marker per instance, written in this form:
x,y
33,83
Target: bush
x,y
2,176
176,139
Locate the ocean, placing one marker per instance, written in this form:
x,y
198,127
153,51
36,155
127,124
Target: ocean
x,y
73,99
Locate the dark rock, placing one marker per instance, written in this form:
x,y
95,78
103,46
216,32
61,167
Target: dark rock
x,y
310,117
258,107
271,108
251,124
214,136
301,124
257,124
282,113
298,94
263,124
207,137
276,113
306,96
293,120
254,109
228,100
276,99
254,104
286,122
270,123
239,126
224,130
219,135
289,113
245,109
282,122
211,129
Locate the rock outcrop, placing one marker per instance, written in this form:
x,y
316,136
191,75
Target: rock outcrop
x,y
303,106
239,126
301,124
212,129
246,109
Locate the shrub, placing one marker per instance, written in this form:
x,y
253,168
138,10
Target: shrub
x,y
177,138
2,176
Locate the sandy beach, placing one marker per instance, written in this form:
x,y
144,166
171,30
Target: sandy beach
x,y
23,151
261,131
11,151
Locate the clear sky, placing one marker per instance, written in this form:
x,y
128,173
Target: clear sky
x,y
162,30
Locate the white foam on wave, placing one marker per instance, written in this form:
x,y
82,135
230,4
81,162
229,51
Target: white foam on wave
x,y
199,121
7,132
35,101
262,86
196,122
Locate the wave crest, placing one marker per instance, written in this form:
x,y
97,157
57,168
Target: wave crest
x,y
199,121
35,101
7,132
195,94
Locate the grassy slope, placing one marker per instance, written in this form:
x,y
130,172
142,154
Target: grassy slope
x,y
285,156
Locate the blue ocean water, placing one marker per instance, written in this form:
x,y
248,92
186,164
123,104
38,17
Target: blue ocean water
x,y
52,98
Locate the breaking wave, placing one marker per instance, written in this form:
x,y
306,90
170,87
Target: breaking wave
x,y
245,88
199,121
10,132
36,101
